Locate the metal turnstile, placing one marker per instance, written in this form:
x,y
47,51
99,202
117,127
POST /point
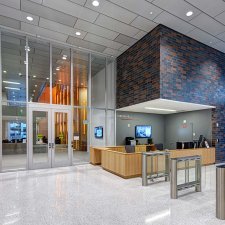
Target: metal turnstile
x,y
155,174
174,187
220,191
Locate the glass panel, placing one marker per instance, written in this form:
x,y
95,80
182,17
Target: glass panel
x,y
39,72
40,137
98,82
80,78
110,84
61,76
98,127
13,67
110,132
14,136
61,136
80,153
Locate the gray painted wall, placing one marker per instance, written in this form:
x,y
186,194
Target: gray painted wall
x,y
166,129
156,121
201,121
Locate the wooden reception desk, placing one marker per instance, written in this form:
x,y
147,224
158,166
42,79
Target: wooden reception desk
x,y
127,165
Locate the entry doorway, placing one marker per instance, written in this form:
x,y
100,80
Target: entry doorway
x,y
49,137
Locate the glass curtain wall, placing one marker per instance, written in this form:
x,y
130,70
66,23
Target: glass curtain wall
x,y
56,75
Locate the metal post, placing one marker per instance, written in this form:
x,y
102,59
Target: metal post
x,y
186,171
167,167
144,170
198,187
173,180
220,192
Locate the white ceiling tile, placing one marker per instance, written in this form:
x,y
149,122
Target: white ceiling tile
x,y
95,29
221,17
221,36
211,7
220,46
116,25
112,10
125,40
12,3
17,14
174,23
37,1
102,41
80,2
51,25
113,52
8,22
42,32
124,48
85,44
203,37
47,13
140,7
143,24
140,35
208,24
72,9
178,8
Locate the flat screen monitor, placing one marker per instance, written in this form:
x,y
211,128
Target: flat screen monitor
x,y
99,132
143,131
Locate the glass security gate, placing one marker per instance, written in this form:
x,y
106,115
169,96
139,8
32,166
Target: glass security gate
x,y
49,137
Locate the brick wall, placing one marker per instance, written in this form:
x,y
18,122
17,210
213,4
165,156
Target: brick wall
x,y
138,71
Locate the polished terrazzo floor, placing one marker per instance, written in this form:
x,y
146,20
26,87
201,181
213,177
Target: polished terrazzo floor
x,y
86,194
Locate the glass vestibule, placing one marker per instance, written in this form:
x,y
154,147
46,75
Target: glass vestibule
x,y
48,75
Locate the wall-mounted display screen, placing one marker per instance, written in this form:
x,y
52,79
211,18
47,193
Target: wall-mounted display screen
x,y
143,131
99,132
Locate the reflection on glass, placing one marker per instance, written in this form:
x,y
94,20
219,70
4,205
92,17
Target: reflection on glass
x,y
39,74
80,78
13,67
14,136
98,88
80,135
61,136
61,76
40,137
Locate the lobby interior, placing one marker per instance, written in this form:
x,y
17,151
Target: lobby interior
x,y
90,89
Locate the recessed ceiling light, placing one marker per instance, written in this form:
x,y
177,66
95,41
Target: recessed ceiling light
x,y
4,71
58,68
34,76
47,78
160,109
12,88
10,82
95,3
30,18
19,74
59,80
151,13
64,57
78,33
35,85
189,13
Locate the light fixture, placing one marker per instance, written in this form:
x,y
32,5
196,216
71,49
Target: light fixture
x,y
78,33
29,18
81,84
59,80
160,109
95,3
34,76
4,71
12,88
189,13
151,13
33,90
20,74
57,68
10,82
47,78
35,85
64,57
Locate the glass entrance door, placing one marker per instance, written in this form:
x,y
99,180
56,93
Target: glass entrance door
x,y
49,138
